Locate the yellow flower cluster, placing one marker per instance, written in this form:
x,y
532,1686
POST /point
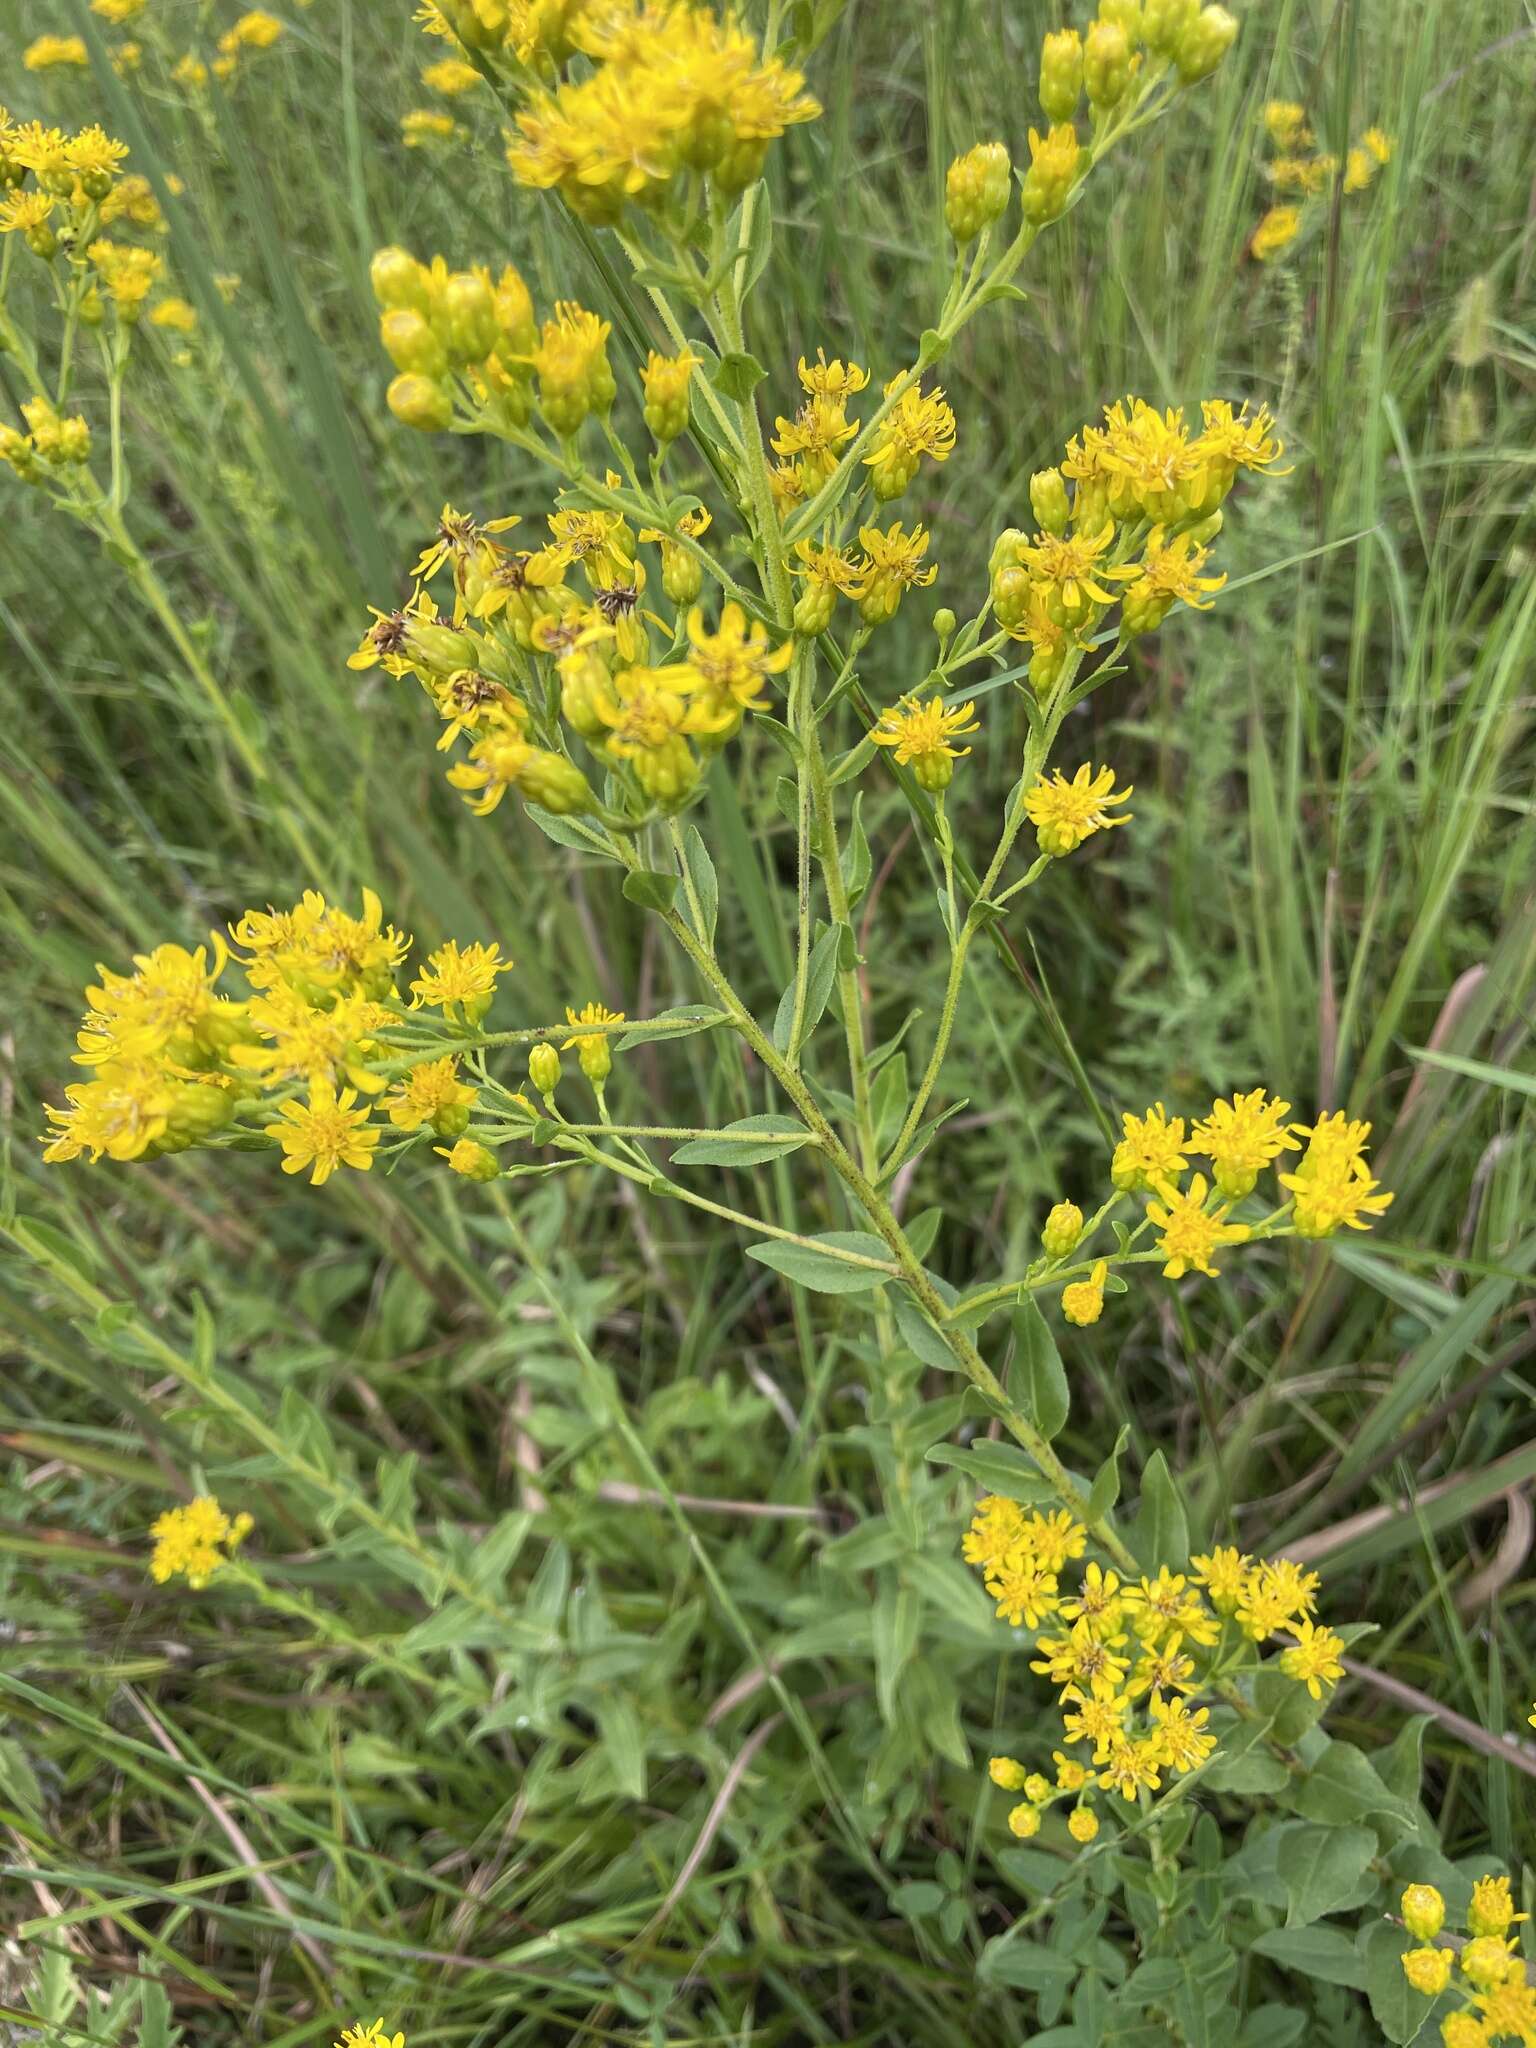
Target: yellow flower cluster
x,y
1134,527
194,1541
178,1064
1486,1968
369,2034
917,423
47,53
255,31
1133,1660
523,638
1331,1188
670,89
1305,174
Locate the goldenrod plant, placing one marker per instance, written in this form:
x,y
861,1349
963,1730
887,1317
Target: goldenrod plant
x,y
674,600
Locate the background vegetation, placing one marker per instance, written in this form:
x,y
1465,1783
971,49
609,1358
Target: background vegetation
x,y
617,1430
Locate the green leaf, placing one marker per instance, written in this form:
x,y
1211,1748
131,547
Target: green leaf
x,y
1316,1952
650,888
1248,1775
748,1142
704,880
1320,1867
1160,1533
933,347
1000,1468
565,832
1105,1490
1343,1785
1027,1965
919,1898
820,973
922,1337
1401,1763
1038,1372
681,1022
623,1743
854,859
1476,1070
738,376
823,1272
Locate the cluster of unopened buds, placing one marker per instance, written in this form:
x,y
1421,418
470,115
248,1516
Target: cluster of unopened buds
x,y
1304,174
302,1061
1484,1968
1329,1188
1133,1659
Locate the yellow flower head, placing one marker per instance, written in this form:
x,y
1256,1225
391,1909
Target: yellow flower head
x,y
1275,233
1151,1151
1488,1961
1083,1302
319,950
423,127
921,735
1508,2008
891,564
1007,1774
1082,1824
1493,1909
48,51
1189,1232
1332,1187
166,1006
1072,563
460,978
1024,1821
1100,1602
736,660
450,76
194,1541
1240,1137
1169,1606
369,2034
431,1093
122,1114
917,425
1083,1662
1064,813
1224,1574
1428,1970
1023,1592
996,1531
1130,1765
1314,1658
1179,1738
324,1133
835,380
1423,1911
1286,121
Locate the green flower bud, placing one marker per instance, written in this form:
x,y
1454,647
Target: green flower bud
x,y
944,623
1048,500
976,189
814,608
1056,164
1204,43
472,1160
555,784
1166,22
411,343
1061,74
1063,1228
514,313
398,280
466,319
1106,64
419,402
544,1068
